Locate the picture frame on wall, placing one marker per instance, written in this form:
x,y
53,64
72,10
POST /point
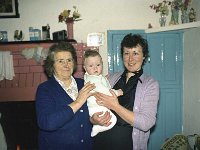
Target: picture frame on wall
x,y
9,9
95,39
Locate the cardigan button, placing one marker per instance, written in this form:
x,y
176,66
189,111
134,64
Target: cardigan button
x,y
81,110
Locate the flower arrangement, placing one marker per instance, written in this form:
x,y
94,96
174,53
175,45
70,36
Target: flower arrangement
x,y
181,5
65,16
161,7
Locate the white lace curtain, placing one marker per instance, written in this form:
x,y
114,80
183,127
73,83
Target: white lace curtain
x,y
6,65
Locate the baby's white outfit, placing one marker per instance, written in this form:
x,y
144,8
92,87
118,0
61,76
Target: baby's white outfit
x,y
102,86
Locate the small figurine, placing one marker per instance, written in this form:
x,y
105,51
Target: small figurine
x,y
175,14
149,26
18,35
192,15
48,32
184,16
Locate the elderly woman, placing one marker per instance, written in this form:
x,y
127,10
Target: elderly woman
x,y
62,114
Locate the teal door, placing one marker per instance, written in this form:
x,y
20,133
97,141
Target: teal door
x,y
165,65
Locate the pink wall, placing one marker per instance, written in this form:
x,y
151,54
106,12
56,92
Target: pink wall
x,y
28,73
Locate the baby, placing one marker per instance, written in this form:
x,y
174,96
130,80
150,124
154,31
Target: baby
x,y
93,66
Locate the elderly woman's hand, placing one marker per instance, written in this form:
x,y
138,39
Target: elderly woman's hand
x,y
83,94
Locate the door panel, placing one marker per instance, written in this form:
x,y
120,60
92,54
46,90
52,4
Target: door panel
x,y
165,58
166,67
156,56
172,63
168,118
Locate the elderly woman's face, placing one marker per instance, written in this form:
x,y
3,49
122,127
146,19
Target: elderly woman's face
x,y
133,58
64,65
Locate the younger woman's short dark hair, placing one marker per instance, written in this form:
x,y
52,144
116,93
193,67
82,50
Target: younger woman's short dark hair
x,y
59,47
132,41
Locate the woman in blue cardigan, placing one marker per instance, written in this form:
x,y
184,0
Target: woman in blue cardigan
x,y
62,113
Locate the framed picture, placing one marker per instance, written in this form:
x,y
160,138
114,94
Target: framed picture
x,y
95,39
9,9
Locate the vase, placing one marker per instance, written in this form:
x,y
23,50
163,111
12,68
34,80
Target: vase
x,y
184,16
70,30
162,20
18,35
174,17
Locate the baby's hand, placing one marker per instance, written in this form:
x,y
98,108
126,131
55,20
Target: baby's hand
x,y
120,92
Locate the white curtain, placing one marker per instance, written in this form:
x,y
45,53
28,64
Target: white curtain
x,y
6,65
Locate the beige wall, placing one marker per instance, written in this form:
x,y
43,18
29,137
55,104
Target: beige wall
x,y
191,93
103,15
97,15
196,6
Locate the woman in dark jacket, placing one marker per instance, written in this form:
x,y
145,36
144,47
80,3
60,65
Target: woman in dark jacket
x,y
136,109
62,113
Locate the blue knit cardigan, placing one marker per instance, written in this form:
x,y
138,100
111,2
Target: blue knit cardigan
x,y
59,127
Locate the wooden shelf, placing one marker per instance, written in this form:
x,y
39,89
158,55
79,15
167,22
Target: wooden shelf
x,y
174,27
39,41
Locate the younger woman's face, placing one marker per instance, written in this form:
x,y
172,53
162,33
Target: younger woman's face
x,y
133,58
93,65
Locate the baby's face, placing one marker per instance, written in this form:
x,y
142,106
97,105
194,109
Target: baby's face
x,y
93,65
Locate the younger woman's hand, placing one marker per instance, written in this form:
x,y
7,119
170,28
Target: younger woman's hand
x,y
110,102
